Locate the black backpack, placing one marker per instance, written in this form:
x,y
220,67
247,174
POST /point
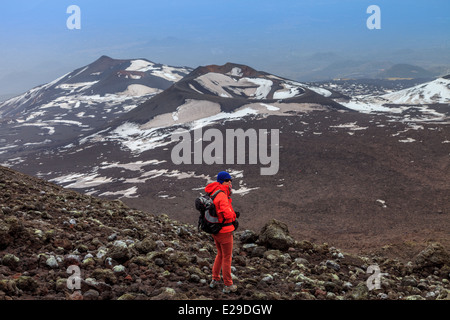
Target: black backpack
x,y
208,220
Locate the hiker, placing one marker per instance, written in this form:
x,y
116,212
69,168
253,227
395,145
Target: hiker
x,y
223,239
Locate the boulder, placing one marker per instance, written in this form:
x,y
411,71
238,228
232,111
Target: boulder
x,y
275,235
360,292
11,261
26,283
5,237
248,236
145,246
119,251
434,255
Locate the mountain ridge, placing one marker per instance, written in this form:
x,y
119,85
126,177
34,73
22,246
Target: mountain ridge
x,y
407,71
53,114
227,97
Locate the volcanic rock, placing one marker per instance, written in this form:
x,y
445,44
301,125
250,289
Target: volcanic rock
x,y
275,234
434,255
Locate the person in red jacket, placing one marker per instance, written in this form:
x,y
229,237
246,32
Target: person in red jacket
x,y
224,239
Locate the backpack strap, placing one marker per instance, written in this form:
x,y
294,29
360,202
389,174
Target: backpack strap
x,y
213,196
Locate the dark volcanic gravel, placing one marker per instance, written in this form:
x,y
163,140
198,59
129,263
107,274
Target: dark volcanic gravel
x,y
47,233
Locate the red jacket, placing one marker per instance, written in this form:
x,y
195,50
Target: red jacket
x,y
222,202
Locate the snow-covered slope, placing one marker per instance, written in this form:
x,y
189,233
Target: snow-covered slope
x,y
240,81
429,101
106,80
437,91
227,88
210,95
81,101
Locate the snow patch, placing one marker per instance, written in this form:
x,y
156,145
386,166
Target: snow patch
x,y
264,87
190,111
288,91
37,143
270,107
128,193
321,91
351,126
76,86
133,166
136,90
236,72
140,65
79,180
169,73
221,85
244,190
382,203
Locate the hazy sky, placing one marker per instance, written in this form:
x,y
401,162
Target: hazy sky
x,y
36,46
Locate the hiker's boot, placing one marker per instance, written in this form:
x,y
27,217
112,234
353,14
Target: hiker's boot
x,y
213,284
229,289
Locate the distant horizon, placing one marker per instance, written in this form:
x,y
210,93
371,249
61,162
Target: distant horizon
x,y
301,40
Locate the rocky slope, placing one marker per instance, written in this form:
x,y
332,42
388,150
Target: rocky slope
x,y
122,253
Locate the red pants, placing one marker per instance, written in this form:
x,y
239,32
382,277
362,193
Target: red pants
x,y
224,245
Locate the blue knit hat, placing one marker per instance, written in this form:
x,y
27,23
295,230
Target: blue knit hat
x,y
222,176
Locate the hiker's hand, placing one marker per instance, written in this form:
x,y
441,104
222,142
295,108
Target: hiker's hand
x,y
238,214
